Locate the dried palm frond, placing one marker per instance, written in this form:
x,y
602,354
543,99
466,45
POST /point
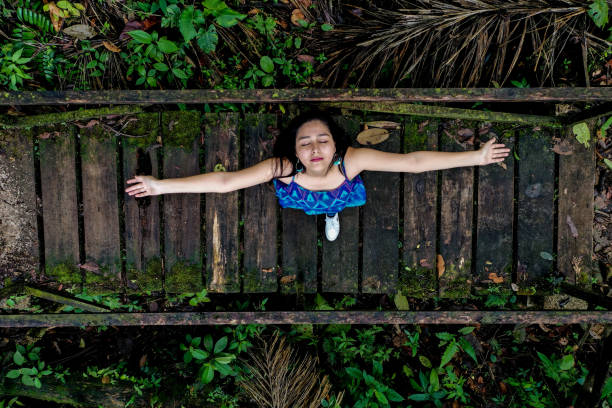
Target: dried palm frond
x,y
281,379
454,43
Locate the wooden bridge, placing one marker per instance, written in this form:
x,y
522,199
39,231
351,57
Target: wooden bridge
x,y
447,233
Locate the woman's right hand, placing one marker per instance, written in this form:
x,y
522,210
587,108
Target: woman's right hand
x,y
143,186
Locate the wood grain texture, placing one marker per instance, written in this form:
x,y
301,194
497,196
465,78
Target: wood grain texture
x,y
183,266
456,216
260,210
495,214
381,221
420,217
222,273
340,266
142,223
100,209
576,212
535,205
299,260
60,208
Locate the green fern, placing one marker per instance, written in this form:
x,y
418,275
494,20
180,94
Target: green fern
x,y
47,63
28,16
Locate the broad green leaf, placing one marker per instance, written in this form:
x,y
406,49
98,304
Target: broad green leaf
x,y
434,381
179,73
199,354
208,374
381,397
27,380
608,163
605,126
141,36
214,5
377,369
13,374
407,371
583,135
449,353
467,347
16,55
92,64
401,302
221,344
321,303
18,358
419,397
225,359
267,80
607,388
353,372
167,46
546,255
445,336
187,357
327,27
207,41
266,64
37,383
466,330
228,18
425,361
186,24
392,395
297,42
599,12
567,362
160,66
208,342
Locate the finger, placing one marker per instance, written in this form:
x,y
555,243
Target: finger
x,y
134,187
143,194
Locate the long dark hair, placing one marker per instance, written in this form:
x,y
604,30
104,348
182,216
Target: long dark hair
x,y
284,147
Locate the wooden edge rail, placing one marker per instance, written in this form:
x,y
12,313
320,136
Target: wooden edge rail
x,y
199,96
305,317
9,122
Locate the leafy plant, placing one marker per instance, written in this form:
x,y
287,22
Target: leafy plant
x,y
454,345
428,388
598,11
30,376
412,342
563,372
33,18
367,389
13,67
520,84
210,359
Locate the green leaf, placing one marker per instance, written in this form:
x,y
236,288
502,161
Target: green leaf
x,y
179,73
297,42
467,347
419,397
208,342
449,353
16,55
141,36
186,24
207,41
187,357
608,163
267,81
92,64
327,27
381,397
228,18
208,374
445,336
37,383
567,362
18,358
546,255
167,46
605,126
401,302
583,135
392,395
353,372
466,330
221,344
13,374
214,5
266,64
225,359
63,4
434,381
199,354
160,66
321,303
599,12
27,380
607,388
425,361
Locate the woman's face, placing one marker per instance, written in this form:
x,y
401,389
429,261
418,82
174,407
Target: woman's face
x,y
314,146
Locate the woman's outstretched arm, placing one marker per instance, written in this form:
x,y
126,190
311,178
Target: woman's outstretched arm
x,y
417,162
218,182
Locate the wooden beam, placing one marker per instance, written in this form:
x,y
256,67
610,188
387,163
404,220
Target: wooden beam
x,y
309,317
199,96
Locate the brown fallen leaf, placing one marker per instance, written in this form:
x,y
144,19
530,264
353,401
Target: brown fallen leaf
x,y
287,279
253,11
496,279
80,31
383,124
503,165
110,46
48,135
88,125
571,226
563,148
90,266
129,26
465,133
306,58
142,361
56,15
267,270
440,265
424,263
372,136
105,379
296,16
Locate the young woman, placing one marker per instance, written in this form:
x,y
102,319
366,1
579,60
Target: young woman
x,y
315,169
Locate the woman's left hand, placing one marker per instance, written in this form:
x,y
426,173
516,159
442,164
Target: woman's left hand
x,y
492,152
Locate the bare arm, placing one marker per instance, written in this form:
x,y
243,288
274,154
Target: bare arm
x,y
417,162
218,182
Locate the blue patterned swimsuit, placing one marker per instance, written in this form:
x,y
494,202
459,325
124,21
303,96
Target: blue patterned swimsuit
x,y
351,193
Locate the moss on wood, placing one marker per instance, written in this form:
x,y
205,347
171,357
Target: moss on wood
x,y
27,122
184,277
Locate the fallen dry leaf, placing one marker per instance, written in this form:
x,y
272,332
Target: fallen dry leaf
x,y
129,26
142,361
465,133
296,16
253,11
267,270
496,279
571,226
88,125
503,165
383,124
48,135
440,265
372,136
563,148
110,46
424,263
80,31
287,279
89,266
105,379
306,58
56,15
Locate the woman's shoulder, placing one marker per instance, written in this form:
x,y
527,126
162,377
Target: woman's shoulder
x,y
351,162
283,171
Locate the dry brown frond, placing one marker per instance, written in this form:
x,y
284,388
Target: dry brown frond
x,y
281,379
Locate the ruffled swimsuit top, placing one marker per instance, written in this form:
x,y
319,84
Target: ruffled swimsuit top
x,y
351,193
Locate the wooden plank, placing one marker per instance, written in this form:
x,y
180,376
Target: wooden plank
x,y
142,224
340,267
576,212
183,267
222,274
495,213
199,96
418,279
461,317
100,209
19,230
60,208
456,216
299,242
535,206
381,221
260,209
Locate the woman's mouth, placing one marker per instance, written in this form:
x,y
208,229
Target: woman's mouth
x,y
316,159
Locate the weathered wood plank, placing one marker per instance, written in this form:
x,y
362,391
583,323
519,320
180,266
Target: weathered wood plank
x,y
260,209
381,221
60,208
222,273
183,266
456,215
199,96
19,231
142,224
419,279
299,261
495,213
100,209
535,205
340,266
575,230
306,317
